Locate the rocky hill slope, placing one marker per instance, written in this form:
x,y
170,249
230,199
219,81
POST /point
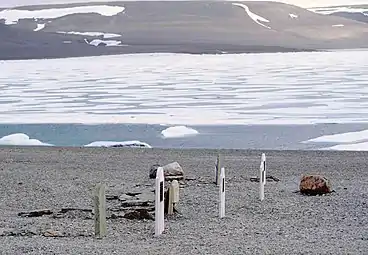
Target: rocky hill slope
x,y
187,26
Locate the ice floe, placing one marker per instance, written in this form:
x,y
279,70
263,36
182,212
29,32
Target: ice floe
x,y
178,131
293,16
107,43
104,35
12,16
39,27
256,18
21,139
350,137
130,144
338,25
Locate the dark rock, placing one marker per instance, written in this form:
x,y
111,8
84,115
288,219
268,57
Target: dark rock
x,y
133,194
314,185
138,214
133,203
37,213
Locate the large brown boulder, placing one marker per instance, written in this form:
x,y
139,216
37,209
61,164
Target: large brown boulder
x,y
314,185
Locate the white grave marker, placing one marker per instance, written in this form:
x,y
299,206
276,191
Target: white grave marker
x,y
262,177
159,202
222,193
173,196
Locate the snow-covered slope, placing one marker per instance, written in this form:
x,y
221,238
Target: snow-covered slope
x,y
171,26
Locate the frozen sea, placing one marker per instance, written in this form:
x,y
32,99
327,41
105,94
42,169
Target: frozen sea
x,y
255,101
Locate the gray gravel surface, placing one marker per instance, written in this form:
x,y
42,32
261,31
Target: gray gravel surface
x,y
285,223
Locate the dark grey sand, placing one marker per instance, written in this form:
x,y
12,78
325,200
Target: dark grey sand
x,y
285,223
196,27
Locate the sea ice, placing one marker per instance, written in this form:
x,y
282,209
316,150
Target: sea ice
x,y
132,144
21,140
338,25
39,27
350,137
178,131
108,43
256,18
105,35
12,16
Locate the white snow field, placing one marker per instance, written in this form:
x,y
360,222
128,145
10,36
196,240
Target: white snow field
x,y
12,16
184,89
93,34
178,131
256,18
21,139
137,144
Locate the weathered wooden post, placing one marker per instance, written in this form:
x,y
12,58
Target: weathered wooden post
x,y
262,177
218,168
222,193
159,202
173,196
99,200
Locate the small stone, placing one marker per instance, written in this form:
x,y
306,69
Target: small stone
x,y
52,233
314,185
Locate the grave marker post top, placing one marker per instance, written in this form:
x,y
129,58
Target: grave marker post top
x,y
218,169
263,166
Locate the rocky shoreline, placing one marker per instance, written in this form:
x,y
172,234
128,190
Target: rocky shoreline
x,y
58,182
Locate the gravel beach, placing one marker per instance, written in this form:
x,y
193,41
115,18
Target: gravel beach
x,y
286,222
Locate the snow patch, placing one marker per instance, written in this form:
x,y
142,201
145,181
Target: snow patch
x,y
21,139
331,10
39,27
107,43
256,18
105,35
12,16
293,16
338,25
178,131
131,144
